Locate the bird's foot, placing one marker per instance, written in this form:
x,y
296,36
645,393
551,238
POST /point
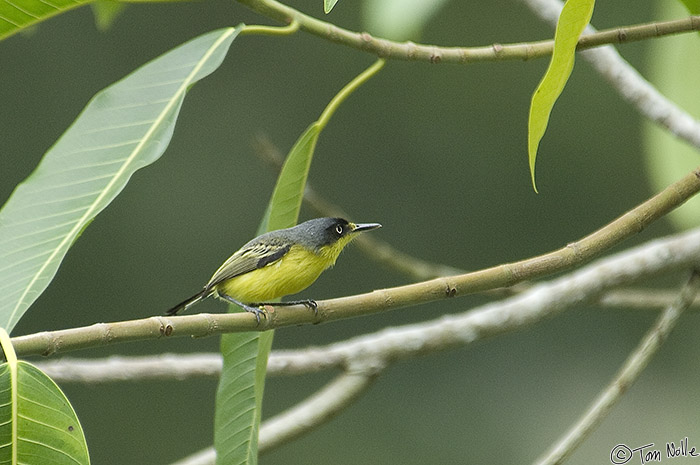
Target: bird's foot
x,y
256,310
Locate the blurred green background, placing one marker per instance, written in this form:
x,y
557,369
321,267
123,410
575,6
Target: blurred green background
x,y
436,153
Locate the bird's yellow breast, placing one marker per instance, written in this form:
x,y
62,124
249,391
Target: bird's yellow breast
x,y
292,273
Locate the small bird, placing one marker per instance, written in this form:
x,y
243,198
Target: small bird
x,y
278,263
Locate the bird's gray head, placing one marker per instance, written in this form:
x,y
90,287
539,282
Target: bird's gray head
x,y
321,232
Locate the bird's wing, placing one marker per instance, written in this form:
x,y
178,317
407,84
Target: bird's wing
x,y
247,259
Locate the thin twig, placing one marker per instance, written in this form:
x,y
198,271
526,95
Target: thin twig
x,y
643,299
435,54
316,409
627,375
134,368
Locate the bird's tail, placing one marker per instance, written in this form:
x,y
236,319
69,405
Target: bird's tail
x,y
191,301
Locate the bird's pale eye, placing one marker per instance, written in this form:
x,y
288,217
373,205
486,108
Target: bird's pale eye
x,y
339,229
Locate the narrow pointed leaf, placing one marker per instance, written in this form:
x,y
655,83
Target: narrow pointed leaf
x,y
242,381
573,20
124,127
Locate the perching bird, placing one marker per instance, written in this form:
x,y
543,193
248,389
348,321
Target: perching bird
x,y
278,263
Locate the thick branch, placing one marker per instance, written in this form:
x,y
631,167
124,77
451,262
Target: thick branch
x,y
204,324
436,54
443,333
118,368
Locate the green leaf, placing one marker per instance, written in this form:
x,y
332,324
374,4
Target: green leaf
x,y
573,20
242,381
37,423
399,19
18,15
125,127
674,66
328,5
693,6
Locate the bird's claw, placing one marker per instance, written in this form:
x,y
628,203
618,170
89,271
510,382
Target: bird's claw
x,y
257,311
311,305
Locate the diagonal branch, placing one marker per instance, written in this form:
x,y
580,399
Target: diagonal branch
x,y
204,324
409,341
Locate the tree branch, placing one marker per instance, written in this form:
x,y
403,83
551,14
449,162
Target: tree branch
x,y
435,54
117,368
204,324
540,301
120,368
627,375
318,408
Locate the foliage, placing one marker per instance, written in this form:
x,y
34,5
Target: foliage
x,y
128,126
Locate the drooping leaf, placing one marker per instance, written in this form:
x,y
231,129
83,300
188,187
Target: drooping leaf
x,y
399,19
37,423
573,19
125,127
242,381
674,67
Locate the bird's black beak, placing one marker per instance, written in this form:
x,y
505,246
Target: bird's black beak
x,y
359,227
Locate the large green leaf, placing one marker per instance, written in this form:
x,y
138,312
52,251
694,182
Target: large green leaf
x,y
18,15
126,126
48,431
573,20
37,423
242,381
